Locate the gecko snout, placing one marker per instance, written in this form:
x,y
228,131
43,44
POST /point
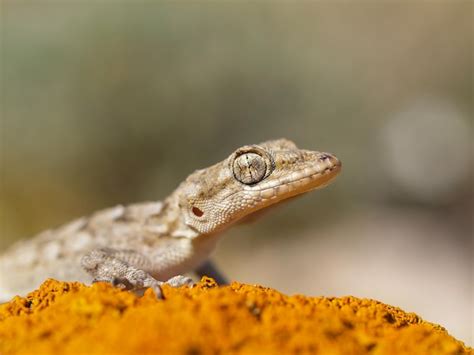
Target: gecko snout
x,y
330,159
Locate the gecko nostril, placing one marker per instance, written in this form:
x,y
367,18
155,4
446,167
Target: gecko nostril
x,y
324,156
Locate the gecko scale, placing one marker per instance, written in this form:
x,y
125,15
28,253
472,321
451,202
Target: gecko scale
x,y
143,245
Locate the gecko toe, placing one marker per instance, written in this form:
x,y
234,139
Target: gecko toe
x,y
180,280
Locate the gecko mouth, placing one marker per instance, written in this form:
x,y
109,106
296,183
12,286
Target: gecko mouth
x,y
295,185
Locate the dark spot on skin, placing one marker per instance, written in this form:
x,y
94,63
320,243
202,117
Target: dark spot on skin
x,y
197,212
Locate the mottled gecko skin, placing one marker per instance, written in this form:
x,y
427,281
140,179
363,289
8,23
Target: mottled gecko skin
x,y
134,246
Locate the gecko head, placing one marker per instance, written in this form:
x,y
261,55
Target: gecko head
x,y
251,178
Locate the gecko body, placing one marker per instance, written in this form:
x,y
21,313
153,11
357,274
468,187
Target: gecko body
x,y
146,244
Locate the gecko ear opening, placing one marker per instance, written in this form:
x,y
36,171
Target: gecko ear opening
x,y
197,212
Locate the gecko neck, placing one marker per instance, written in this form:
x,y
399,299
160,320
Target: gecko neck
x,y
170,220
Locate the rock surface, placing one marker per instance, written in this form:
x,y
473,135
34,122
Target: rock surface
x,y
71,318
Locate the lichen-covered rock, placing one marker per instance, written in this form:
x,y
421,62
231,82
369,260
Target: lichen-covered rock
x,y
71,318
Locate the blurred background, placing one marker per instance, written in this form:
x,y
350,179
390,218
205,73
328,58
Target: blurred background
x,y
106,103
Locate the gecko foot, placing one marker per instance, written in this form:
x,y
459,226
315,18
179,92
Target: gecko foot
x,y
102,265
179,281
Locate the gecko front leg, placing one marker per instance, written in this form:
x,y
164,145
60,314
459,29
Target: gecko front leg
x,y
122,268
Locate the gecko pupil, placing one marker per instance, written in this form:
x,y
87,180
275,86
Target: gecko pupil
x,y
197,212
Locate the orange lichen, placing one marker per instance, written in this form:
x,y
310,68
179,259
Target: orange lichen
x,y
71,318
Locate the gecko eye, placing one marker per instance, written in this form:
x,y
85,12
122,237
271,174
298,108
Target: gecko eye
x,y
249,168
197,212
251,164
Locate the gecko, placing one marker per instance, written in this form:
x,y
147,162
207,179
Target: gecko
x,y
145,245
